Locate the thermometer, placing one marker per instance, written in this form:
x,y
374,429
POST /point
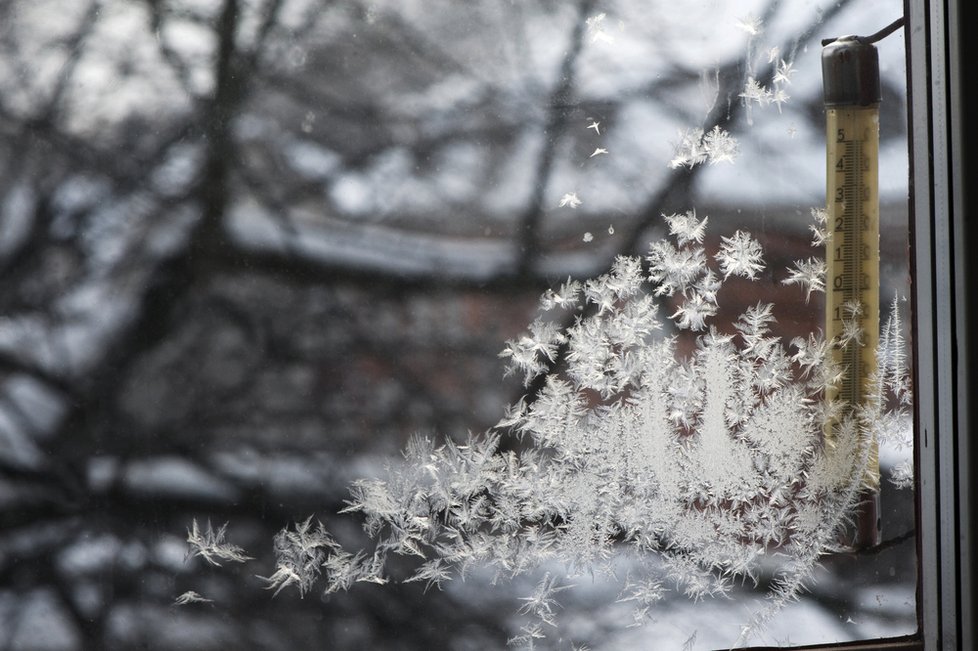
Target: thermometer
x,y
851,84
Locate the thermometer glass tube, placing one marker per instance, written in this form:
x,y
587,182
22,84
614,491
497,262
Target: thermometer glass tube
x,y
850,72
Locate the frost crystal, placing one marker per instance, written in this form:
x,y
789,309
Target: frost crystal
x,y
779,97
686,228
754,92
190,597
541,603
569,199
720,146
902,475
595,29
782,74
565,297
809,275
707,466
750,24
211,545
852,330
820,234
740,255
696,147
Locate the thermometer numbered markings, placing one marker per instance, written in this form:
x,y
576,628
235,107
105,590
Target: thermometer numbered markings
x,y
852,258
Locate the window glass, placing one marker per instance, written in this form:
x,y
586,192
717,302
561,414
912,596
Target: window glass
x,y
566,255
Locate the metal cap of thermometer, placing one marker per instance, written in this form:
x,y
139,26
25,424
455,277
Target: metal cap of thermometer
x,y
851,85
850,73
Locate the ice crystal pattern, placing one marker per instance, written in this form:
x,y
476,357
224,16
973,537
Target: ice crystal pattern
x,y
696,146
703,466
754,92
212,545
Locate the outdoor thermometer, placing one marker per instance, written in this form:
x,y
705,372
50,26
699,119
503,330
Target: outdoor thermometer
x,y
851,85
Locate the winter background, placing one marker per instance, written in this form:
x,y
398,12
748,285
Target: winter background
x,y
249,247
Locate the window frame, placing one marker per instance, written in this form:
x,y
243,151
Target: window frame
x,y
944,299
944,313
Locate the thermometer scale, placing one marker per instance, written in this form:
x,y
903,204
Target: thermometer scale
x,y
851,84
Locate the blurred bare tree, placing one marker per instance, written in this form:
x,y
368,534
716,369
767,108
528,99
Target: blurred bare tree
x,y
247,247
